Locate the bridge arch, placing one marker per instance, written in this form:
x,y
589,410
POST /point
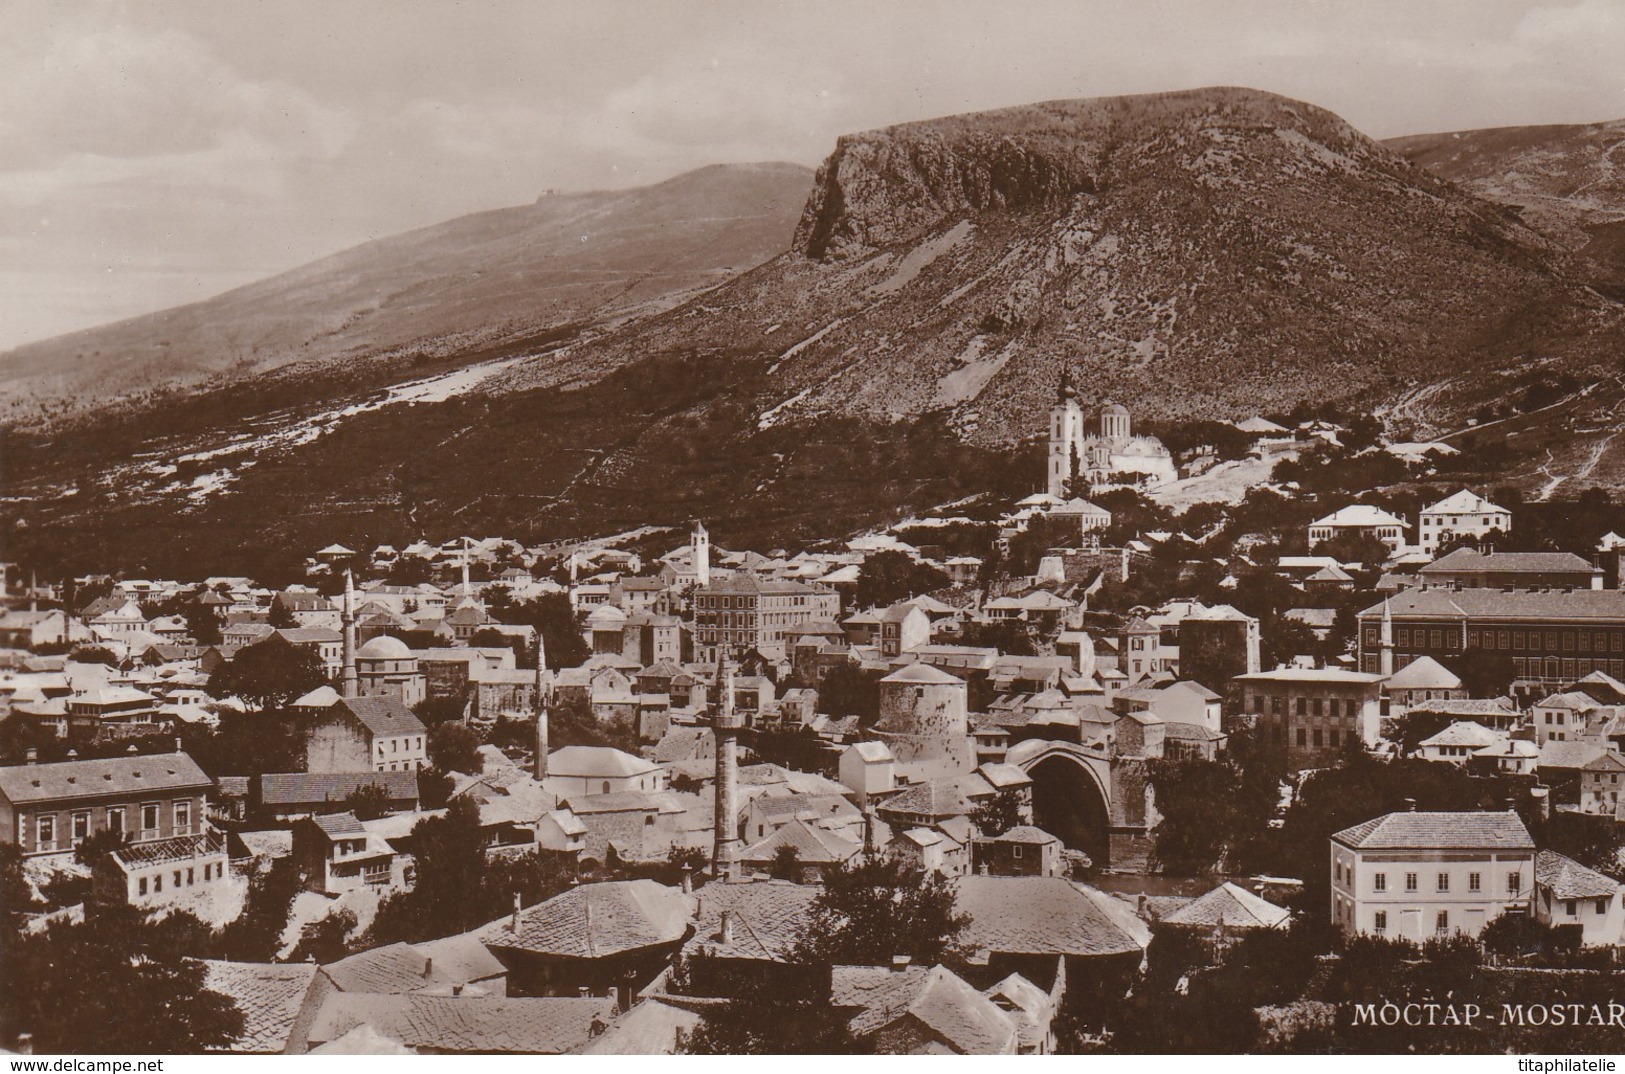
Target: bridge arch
x,y
1071,794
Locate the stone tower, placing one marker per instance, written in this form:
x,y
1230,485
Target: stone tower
x,y
349,684
701,544
1065,438
725,728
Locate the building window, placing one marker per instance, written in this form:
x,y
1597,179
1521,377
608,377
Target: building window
x,y
1473,881
149,817
1514,883
141,885
183,818
47,829
157,883
1303,736
1444,881
1410,881
1441,924
190,879
1379,922
1568,907
1379,882
81,826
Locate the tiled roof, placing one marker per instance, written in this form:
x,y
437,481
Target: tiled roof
x,y
656,1026
1588,604
1464,733
813,845
383,715
766,918
175,848
1454,831
596,920
334,824
1470,560
1358,515
967,1021
549,1026
925,675
269,997
1464,502
1568,879
399,968
311,788
1045,915
1555,754
150,773
1231,906
938,798
1023,833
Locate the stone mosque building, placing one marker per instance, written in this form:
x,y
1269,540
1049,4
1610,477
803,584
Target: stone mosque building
x,y
1114,457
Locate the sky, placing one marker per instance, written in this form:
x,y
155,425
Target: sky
x,y
162,151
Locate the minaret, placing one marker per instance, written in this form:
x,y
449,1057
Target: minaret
x,y
539,765
466,589
1065,438
701,545
1387,643
349,685
725,727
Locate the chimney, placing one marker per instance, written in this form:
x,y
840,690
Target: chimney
x,y
584,992
31,755
688,882
25,1044
899,963
428,968
456,989
1139,905
725,930
1410,805
1543,801
513,925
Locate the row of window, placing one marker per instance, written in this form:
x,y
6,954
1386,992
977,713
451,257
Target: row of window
x,y
210,872
79,822
1309,706
1379,881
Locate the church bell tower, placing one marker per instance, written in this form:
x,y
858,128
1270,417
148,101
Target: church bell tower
x,y
1065,439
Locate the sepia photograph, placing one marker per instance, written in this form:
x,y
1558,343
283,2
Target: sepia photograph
x,y
868,527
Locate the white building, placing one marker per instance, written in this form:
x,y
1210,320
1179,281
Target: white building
x,y
587,770
1567,893
1356,519
1460,741
1419,875
1115,456
1464,514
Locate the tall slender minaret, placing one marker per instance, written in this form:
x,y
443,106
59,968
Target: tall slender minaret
x,y
725,727
349,685
539,765
1387,643
466,589
701,545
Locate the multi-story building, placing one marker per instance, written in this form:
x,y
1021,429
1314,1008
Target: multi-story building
x,y
747,612
1464,514
1415,876
366,734
1359,519
1314,712
1552,636
52,808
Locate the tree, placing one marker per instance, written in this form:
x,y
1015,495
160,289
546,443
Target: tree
x,y
492,638
847,690
368,802
786,864
324,941
269,674
256,934
891,577
1414,728
555,623
876,907
94,654
454,748
1482,672
281,616
998,814
118,982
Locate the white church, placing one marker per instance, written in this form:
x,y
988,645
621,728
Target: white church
x,y
1104,460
